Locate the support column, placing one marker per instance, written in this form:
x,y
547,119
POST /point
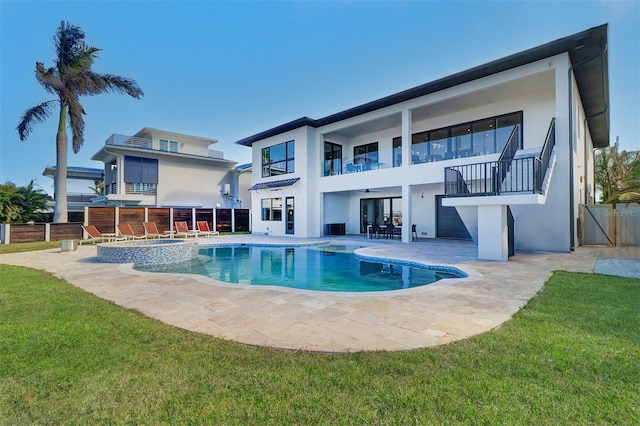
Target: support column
x,y
493,235
406,138
407,190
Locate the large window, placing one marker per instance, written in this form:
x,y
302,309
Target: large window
x,y
481,137
332,159
272,209
278,159
140,170
366,155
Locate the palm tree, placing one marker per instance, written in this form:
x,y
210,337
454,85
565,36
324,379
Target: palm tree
x,y
617,172
10,199
70,78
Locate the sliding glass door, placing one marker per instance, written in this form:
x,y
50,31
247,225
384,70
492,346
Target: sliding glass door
x,y
380,211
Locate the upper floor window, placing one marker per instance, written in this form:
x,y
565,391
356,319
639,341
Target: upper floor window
x,y
278,159
366,155
167,145
140,170
332,159
481,137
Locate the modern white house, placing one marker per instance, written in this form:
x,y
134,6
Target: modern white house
x,y
501,154
158,168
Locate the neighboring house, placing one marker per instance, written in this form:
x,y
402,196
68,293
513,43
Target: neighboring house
x,y
76,201
458,157
157,168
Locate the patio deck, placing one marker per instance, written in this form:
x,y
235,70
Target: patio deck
x,y
327,322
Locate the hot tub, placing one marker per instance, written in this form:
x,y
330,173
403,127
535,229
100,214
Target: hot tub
x,y
148,252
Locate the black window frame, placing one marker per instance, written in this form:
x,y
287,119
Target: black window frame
x,y
328,162
286,164
429,153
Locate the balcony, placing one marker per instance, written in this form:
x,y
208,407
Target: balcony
x,y
509,175
145,143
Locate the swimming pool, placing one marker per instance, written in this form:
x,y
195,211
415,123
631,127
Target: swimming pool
x,y
324,268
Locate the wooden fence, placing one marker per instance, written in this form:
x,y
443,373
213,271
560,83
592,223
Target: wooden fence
x,y
106,219
602,224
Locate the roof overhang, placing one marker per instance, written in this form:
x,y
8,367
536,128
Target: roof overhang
x,y
86,173
274,184
588,54
109,152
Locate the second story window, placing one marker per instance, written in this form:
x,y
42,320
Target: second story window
x,y
167,145
278,159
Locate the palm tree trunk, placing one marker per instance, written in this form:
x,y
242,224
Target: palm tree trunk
x,y
60,185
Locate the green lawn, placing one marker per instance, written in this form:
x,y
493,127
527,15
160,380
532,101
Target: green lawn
x,y
572,356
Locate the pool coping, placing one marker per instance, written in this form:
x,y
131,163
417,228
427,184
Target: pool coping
x,y
471,275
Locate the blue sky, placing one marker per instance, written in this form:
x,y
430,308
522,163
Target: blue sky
x,y
227,70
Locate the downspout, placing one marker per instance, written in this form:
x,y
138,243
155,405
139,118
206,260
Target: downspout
x,y
572,214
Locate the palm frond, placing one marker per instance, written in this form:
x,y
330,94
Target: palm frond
x,y
76,123
68,42
116,84
33,116
48,78
84,58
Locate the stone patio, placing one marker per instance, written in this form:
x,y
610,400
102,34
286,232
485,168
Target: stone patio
x,y
279,317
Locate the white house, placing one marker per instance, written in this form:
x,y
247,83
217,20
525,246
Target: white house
x,y
157,168
458,157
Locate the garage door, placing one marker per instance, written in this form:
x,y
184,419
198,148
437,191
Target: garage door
x,y
448,222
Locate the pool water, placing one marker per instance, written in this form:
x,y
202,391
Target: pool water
x,y
325,268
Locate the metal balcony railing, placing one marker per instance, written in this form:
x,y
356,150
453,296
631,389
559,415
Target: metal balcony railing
x,y
509,175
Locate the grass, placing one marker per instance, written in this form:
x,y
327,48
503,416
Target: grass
x,y
21,247
66,357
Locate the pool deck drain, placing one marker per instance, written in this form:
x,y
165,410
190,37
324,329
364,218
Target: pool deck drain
x,y
292,319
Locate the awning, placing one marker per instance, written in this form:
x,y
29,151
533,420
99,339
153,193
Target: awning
x,y
274,184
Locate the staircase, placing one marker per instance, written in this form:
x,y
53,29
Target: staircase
x,y
510,174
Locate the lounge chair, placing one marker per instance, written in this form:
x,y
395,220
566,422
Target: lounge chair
x,y
182,229
151,231
96,236
203,227
124,229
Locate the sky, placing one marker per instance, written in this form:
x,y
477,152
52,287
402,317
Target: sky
x,y
229,69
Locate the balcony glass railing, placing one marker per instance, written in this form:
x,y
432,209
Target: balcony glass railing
x,y
382,159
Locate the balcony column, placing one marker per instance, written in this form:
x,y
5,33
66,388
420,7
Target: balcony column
x,y
493,235
406,138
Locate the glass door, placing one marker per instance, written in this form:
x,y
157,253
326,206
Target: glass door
x,y
290,215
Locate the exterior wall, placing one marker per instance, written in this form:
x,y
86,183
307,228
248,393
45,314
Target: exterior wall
x,y
196,183
540,90
185,144
300,190
546,227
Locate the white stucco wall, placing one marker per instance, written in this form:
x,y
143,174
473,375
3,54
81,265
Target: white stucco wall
x,y
540,90
190,183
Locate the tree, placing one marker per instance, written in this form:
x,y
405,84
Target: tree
x,y
10,197
21,204
617,172
98,188
69,79
33,204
